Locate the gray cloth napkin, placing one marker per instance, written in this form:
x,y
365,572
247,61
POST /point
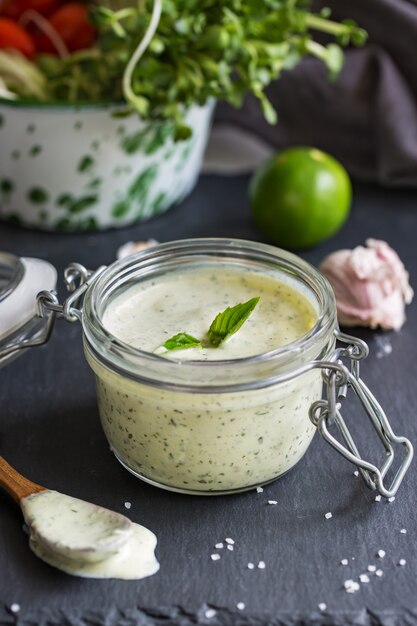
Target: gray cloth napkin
x,y
367,118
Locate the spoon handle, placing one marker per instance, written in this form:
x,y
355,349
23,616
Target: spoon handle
x,y
15,484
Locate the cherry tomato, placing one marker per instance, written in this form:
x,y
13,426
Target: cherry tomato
x,y
15,8
12,36
72,25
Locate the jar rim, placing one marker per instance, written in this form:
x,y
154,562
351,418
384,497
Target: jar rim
x,y
119,355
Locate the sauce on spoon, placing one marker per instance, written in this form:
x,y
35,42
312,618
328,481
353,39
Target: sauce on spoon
x,y
78,537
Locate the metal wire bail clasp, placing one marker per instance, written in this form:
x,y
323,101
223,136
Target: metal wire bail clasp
x,y
326,412
77,279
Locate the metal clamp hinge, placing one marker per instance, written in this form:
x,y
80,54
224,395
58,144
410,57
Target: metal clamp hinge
x,y
77,279
337,380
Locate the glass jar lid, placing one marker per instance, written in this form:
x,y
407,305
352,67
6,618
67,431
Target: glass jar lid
x,y
21,279
11,273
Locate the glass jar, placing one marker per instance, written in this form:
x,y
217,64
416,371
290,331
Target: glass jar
x,y
215,427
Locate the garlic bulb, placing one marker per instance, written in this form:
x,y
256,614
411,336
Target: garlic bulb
x,y
370,284
134,246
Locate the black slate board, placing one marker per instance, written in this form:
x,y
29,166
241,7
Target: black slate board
x,y
49,430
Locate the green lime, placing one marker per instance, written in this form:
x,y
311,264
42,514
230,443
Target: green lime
x,y
300,197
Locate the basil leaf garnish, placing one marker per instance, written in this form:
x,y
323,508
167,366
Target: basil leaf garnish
x,y
222,327
229,321
181,341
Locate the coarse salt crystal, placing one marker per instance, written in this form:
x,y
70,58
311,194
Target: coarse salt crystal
x,y
15,608
241,606
229,541
251,566
328,515
378,498
215,557
322,606
364,578
219,546
402,562
344,561
261,565
379,572
272,502
381,553
229,547
403,531
384,347
356,473
259,489
391,499
128,505
210,613
351,586
371,568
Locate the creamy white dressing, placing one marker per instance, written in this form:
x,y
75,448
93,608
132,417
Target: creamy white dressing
x,y
63,530
73,527
207,442
135,560
149,313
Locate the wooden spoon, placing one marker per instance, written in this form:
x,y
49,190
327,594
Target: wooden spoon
x,y
64,525
15,484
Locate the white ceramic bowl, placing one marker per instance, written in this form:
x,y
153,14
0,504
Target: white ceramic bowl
x,y
85,167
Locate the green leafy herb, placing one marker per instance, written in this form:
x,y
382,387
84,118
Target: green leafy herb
x,y
180,342
210,49
229,321
222,327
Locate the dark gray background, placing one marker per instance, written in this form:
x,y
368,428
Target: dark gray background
x,y
50,431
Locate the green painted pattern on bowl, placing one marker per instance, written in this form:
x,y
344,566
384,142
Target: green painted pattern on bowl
x,y
87,169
